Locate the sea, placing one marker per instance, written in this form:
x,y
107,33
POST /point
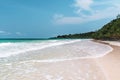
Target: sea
x,y
20,58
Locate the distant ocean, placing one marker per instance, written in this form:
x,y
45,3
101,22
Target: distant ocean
x,y
15,52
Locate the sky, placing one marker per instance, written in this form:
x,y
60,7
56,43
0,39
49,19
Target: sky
x,y
49,18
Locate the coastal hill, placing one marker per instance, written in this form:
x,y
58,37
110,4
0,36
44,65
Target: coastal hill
x,y
110,31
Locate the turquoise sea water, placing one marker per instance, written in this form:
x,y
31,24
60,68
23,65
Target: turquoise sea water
x,y
21,40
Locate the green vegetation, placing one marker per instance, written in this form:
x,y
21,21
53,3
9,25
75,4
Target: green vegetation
x,y
74,36
110,31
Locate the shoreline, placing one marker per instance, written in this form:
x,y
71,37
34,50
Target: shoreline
x,y
110,62
105,67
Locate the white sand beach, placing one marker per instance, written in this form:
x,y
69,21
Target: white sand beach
x,y
100,68
111,62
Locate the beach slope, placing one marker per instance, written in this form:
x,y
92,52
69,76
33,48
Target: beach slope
x,y
110,63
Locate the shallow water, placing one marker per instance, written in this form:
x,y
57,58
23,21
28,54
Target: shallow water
x,y
67,70
44,60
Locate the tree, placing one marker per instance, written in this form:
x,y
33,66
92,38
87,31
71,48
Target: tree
x,y
118,16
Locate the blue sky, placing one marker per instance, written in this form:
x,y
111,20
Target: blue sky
x,y
48,18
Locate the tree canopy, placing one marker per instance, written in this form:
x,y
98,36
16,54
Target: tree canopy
x,y
110,31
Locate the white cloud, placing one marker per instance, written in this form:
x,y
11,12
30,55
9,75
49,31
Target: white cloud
x,y
1,32
18,33
109,11
4,33
68,20
83,5
8,33
58,16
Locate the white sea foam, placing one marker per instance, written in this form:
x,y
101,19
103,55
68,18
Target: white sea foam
x,y
81,50
5,44
94,52
9,49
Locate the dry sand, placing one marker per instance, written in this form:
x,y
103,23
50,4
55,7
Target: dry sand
x,y
110,63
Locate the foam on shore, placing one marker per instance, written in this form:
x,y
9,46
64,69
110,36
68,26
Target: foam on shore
x,y
11,49
69,51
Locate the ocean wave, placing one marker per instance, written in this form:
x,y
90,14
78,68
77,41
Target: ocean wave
x,y
10,49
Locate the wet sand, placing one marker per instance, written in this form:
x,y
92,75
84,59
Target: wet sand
x,y
82,69
111,62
